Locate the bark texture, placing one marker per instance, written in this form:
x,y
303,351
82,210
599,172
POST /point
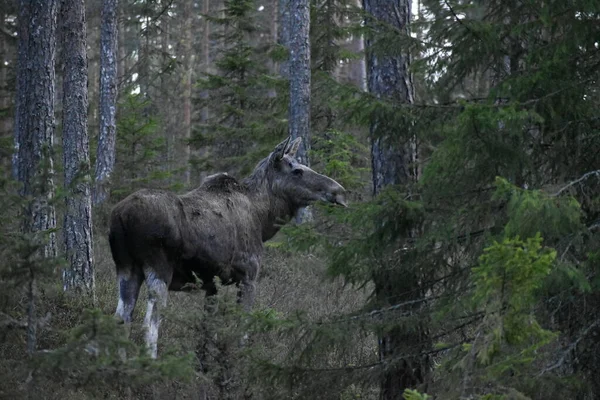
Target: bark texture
x,y
189,61
358,72
79,274
283,34
299,114
393,163
299,75
388,78
34,133
105,156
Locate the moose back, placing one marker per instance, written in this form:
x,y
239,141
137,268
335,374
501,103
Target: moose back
x,y
216,230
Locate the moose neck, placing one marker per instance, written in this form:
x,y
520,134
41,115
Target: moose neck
x,y
272,211
277,213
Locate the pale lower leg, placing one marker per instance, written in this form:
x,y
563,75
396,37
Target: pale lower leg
x,y
246,297
246,294
157,299
151,324
129,290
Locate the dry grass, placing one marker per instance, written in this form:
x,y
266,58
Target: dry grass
x,y
289,283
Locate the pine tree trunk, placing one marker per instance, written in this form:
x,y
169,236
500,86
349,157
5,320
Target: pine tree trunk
x,y
358,67
205,113
393,162
122,67
388,78
22,83
5,95
35,111
284,34
94,19
299,74
168,157
105,156
34,133
79,274
189,59
299,114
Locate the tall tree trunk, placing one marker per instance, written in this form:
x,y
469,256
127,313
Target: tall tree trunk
x,y
284,34
93,19
34,132
105,156
189,58
205,56
167,159
5,95
388,78
299,74
79,275
273,40
122,67
393,163
22,83
299,114
358,73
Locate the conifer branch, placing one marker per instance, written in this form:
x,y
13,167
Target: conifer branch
x,y
459,20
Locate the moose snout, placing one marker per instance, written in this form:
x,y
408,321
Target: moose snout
x,y
337,195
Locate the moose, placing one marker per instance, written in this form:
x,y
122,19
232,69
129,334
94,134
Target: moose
x,y
216,230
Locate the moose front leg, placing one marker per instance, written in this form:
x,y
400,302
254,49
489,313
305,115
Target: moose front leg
x,y
247,294
247,269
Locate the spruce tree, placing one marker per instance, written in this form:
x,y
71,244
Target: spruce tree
x,y
245,120
508,248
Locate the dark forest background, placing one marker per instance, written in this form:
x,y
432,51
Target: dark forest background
x,y
466,132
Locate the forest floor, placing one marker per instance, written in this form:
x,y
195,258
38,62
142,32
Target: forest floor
x,y
290,284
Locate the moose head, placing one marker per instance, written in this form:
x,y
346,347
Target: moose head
x,y
296,183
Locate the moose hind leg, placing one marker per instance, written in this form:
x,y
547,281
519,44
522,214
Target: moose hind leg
x,y
129,290
157,300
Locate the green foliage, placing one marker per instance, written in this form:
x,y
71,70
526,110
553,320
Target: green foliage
x,y
532,211
245,103
340,155
507,283
410,394
328,34
139,147
374,229
506,125
97,351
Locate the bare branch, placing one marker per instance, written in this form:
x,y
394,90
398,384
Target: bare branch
x,y
576,181
569,349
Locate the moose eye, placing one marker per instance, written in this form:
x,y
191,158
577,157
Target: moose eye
x,y
297,172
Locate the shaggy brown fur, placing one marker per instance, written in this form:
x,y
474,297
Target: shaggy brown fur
x,y
216,230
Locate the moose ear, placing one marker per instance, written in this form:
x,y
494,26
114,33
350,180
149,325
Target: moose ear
x,y
280,150
294,146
